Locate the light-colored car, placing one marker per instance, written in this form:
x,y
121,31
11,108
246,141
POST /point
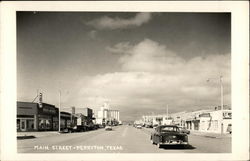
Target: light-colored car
x,y
138,126
108,128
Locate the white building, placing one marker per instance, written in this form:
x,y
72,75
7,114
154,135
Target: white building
x,y
107,116
215,121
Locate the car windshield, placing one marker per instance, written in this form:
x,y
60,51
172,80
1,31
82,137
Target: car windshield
x,y
169,129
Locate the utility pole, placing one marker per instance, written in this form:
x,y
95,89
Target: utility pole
x,y
221,93
59,117
167,112
222,104
221,101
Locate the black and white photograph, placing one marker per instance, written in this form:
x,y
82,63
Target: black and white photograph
x,y
127,82
124,82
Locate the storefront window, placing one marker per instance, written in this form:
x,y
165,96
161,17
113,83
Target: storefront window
x,y
62,123
23,124
30,124
18,124
55,123
45,123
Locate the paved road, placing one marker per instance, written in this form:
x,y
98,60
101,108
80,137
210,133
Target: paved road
x,y
122,139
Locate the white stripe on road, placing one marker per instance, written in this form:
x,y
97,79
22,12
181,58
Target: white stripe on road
x,y
124,132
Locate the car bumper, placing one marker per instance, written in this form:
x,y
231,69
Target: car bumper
x,y
174,143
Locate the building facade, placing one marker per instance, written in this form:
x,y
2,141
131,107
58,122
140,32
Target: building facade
x,y
215,121
35,117
41,117
107,116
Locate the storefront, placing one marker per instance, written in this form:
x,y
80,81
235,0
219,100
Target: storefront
x,y
26,116
32,117
47,117
67,120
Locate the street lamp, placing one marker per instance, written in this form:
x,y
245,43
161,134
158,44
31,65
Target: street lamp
x,y
59,117
221,91
221,99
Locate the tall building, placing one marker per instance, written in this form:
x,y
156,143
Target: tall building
x,y
108,116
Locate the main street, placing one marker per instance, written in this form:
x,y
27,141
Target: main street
x,y
122,139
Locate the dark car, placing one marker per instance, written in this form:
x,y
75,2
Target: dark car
x,y
168,135
229,128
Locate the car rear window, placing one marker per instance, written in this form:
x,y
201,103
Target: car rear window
x,y
169,129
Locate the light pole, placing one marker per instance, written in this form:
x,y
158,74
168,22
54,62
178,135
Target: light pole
x,y
221,100
221,94
59,117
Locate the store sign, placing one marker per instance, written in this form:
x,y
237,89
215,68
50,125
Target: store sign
x,y
227,115
65,115
40,103
49,110
204,115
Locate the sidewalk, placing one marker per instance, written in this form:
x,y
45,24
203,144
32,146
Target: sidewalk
x,y
209,134
198,133
38,134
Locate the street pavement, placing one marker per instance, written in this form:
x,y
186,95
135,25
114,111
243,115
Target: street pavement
x,y
122,139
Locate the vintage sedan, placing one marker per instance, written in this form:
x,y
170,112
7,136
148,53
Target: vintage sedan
x,y
108,128
168,135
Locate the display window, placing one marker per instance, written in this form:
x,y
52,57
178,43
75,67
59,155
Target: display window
x,y
30,124
45,123
18,125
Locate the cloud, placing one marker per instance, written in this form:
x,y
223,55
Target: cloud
x,y
118,23
153,76
93,34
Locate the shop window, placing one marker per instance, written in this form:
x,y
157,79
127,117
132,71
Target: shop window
x,y
18,124
44,124
30,124
62,123
23,124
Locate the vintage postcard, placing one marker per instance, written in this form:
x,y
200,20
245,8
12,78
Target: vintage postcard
x,y
127,81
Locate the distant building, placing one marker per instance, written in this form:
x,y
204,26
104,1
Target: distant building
x,y
216,121
108,116
85,116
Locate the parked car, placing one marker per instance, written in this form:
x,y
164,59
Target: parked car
x,y
108,128
138,126
66,130
184,130
149,126
168,135
229,128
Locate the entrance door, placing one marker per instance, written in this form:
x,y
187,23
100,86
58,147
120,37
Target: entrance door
x,y
23,125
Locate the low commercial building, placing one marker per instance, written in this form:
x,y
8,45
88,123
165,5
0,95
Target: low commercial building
x,y
41,117
34,117
215,121
67,120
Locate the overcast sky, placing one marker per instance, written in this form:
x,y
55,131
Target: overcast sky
x,y
139,62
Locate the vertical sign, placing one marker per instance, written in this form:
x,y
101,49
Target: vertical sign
x,y
40,100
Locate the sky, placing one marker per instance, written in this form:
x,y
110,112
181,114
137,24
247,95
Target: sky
x,y
140,63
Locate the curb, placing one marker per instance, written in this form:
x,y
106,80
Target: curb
x,y
209,136
25,137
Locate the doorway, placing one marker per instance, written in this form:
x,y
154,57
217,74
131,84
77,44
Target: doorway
x,y
23,125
